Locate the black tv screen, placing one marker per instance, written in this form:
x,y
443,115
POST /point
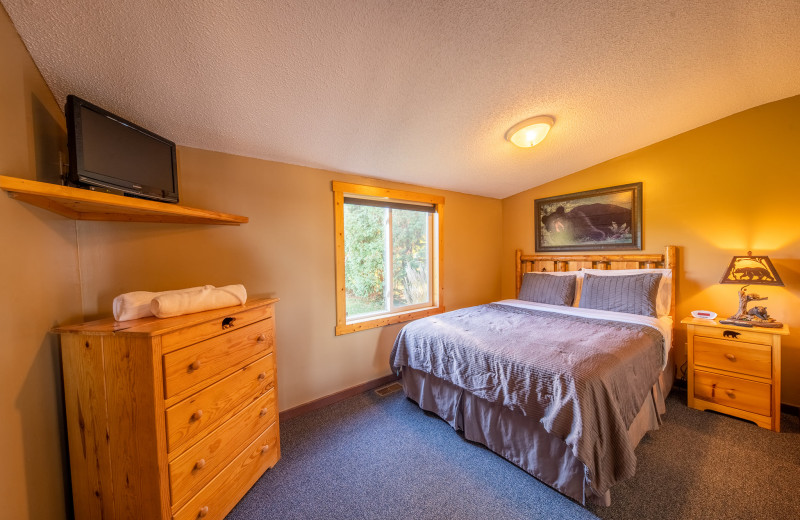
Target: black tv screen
x,y
107,151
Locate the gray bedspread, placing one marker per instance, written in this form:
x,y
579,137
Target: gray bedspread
x,y
583,379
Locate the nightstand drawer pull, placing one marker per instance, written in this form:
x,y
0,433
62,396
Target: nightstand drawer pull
x,y
730,357
730,394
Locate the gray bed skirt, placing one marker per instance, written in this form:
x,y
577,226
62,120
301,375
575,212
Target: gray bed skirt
x,y
523,440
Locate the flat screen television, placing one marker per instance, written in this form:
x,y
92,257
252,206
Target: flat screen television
x,y
107,151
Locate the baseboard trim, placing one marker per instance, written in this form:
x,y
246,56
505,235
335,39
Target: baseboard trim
x,y
328,400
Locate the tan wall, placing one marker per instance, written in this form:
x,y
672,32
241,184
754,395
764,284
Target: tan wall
x,y
719,190
39,288
287,251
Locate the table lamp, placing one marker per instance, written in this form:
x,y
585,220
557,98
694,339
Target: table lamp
x,y
751,270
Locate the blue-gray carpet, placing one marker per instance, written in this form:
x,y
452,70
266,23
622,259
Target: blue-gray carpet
x,y
373,457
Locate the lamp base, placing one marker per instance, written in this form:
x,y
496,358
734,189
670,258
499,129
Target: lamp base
x,y
749,323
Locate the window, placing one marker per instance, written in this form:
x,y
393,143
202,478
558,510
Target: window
x,y
388,257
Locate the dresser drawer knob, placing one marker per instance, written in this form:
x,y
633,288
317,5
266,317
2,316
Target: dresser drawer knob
x,y
261,338
202,512
730,357
263,412
730,394
197,415
264,448
200,464
262,376
195,365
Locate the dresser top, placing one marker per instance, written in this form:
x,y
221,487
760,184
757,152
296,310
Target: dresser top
x,y
782,331
152,326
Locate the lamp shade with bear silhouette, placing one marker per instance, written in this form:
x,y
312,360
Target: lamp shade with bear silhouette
x,y
751,270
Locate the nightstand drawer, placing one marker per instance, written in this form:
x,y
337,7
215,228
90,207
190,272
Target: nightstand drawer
x,y
734,334
734,356
730,391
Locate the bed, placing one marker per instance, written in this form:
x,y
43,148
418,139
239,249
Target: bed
x,y
565,380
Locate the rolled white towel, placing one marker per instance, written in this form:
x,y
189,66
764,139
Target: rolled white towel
x,y
177,303
135,305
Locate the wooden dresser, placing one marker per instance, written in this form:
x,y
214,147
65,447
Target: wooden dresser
x,y
170,418
735,370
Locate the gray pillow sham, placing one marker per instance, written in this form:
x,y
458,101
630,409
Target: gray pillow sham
x,y
547,288
633,294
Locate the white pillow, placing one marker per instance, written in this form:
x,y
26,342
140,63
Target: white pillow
x,y
664,286
578,282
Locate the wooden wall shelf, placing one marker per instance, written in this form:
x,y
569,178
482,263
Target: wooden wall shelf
x,y
81,204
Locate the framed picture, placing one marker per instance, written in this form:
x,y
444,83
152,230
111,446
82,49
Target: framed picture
x,y
596,220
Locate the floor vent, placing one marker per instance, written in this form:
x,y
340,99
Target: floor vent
x,y
388,389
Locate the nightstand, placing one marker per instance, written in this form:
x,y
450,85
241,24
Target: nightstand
x,y
735,370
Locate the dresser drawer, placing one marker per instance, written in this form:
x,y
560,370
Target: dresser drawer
x,y
235,320
734,334
735,356
205,362
215,500
194,468
737,393
219,402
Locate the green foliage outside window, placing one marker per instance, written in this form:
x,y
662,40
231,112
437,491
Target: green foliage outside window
x,y
365,229
410,252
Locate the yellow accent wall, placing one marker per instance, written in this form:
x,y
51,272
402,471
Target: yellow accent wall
x,y
39,288
716,191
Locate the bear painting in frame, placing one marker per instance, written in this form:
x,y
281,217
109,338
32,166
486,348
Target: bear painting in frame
x,y
596,220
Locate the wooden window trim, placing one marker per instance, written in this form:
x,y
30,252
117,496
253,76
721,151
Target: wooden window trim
x,y
339,191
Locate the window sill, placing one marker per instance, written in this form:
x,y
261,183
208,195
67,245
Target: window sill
x,y
387,319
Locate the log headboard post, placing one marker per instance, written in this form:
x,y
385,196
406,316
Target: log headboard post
x,y
671,262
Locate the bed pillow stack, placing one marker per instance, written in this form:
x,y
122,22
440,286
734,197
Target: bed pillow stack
x,y
547,288
632,294
664,298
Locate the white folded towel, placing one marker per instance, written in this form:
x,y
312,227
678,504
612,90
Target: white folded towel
x,y
135,305
176,303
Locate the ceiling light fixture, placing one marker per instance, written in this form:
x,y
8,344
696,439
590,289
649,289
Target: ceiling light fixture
x,y
530,132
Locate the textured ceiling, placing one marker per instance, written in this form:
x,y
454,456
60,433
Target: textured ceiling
x,y
418,91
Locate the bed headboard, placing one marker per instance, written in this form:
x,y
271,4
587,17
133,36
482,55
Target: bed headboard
x,y
537,263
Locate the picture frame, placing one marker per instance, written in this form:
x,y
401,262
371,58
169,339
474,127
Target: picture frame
x,y
604,219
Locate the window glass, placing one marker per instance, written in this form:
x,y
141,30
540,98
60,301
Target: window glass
x,y
365,258
410,257
387,257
